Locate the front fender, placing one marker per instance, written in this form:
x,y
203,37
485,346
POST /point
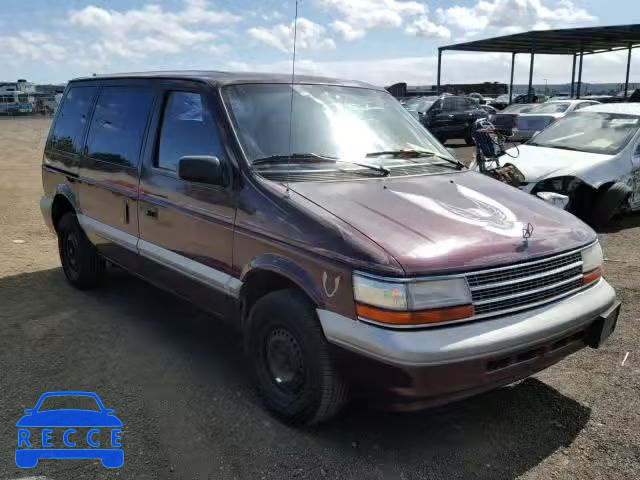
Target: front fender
x,y
65,190
287,268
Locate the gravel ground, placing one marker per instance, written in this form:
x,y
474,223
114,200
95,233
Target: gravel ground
x,y
176,378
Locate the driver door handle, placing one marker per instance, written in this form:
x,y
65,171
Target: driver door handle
x,y
151,212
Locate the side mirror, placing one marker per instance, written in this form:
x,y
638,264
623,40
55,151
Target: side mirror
x,y
29,410
202,169
109,411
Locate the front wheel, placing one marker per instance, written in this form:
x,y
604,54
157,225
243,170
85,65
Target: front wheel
x,y
82,264
468,137
609,202
289,356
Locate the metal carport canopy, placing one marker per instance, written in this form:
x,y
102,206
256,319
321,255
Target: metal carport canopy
x,y
571,41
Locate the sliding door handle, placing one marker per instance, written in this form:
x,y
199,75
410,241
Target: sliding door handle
x,y
151,212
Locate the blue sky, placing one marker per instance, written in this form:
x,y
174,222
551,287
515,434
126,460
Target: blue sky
x,y
380,41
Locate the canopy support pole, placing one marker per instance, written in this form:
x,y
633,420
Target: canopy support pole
x,y
626,82
580,74
513,62
439,70
573,76
530,89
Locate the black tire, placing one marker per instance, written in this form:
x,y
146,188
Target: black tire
x,y
608,203
82,264
468,138
290,361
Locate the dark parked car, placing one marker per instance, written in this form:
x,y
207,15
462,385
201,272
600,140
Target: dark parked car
x,y
353,253
452,117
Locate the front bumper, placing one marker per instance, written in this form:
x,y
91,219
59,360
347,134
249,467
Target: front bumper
x,y
438,365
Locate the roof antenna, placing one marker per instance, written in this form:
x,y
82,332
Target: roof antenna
x,y
293,75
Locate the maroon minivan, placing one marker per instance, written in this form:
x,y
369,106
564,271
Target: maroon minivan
x,y
355,255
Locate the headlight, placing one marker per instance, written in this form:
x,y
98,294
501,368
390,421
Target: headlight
x,y
592,257
592,260
412,303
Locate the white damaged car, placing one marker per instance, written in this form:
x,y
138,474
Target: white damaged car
x,y
587,162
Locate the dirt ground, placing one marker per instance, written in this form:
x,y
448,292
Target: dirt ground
x,y
176,379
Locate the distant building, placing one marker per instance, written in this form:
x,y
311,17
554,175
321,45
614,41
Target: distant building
x,y
485,88
50,89
21,86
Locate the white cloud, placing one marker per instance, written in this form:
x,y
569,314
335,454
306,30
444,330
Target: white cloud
x,y
511,16
136,33
358,16
309,35
456,68
30,46
346,31
423,27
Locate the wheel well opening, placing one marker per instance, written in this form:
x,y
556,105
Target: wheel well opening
x,y
260,283
60,206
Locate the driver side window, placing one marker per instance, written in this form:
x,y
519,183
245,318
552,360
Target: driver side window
x,y
187,129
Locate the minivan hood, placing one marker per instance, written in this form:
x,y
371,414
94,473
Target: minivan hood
x,y
538,163
442,223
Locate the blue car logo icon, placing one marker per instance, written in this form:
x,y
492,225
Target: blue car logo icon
x,y
53,430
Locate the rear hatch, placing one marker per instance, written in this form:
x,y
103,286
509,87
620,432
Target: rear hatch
x,y
504,121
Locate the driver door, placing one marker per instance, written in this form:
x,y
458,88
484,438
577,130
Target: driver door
x,y
186,228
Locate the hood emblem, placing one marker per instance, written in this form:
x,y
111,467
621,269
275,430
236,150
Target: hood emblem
x,y
527,231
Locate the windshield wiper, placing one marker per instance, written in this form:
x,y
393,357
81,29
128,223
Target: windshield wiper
x,y
318,158
415,153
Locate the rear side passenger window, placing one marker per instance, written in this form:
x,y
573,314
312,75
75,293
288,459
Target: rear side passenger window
x,y
71,121
118,125
187,129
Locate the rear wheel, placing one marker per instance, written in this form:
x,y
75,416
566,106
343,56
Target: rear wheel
x,y
290,359
82,264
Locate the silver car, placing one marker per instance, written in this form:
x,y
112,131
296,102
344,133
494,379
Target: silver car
x,y
540,117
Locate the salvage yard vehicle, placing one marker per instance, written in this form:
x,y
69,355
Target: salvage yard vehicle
x,y
353,253
507,118
538,118
452,117
15,103
418,106
589,161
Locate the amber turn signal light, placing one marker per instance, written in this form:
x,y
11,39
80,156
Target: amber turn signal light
x,y
592,276
421,317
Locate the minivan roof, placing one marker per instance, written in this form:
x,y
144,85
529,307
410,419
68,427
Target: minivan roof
x,y
220,79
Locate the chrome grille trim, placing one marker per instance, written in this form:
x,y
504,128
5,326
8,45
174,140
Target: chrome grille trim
x,y
532,277
533,262
539,303
526,292
502,290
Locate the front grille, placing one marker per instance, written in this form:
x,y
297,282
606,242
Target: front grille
x,y
524,285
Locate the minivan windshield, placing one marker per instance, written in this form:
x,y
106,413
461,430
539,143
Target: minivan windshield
x,y
593,132
344,123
